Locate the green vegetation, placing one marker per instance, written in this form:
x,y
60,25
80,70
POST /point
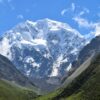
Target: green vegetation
x,y
84,87
90,90
13,92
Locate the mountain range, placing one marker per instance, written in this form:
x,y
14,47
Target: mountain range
x,y
45,48
48,60
84,82
42,50
13,84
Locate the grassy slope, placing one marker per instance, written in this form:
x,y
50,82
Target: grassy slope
x,y
90,90
13,92
85,87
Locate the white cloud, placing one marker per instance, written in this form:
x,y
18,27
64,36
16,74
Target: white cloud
x,y
70,9
20,16
84,11
93,26
97,29
81,13
82,22
73,6
63,12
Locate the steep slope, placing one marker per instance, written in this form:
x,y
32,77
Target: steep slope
x,y
91,48
86,86
41,49
9,72
85,75
88,50
9,91
68,81
13,84
79,70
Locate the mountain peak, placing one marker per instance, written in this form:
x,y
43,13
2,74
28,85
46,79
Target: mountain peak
x,y
51,25
39,48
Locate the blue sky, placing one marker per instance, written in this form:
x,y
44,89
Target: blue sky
x,y
83,15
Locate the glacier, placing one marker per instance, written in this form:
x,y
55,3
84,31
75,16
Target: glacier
x,y
45,48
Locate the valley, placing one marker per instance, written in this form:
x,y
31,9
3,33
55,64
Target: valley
x,y
31,68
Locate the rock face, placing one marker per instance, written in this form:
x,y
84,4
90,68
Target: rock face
x,y
41,49
9,72
92,48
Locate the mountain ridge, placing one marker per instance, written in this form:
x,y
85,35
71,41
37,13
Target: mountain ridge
x,y
48,40
9,72
82,87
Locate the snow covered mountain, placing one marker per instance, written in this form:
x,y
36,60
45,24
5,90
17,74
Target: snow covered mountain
x,y
44,48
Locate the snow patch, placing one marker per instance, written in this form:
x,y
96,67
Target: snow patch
x,y
26,42
28,72
54,72
32,62
17,33
69,67
5,48
56,66
54,41
35,42
74,51
31,22
40,42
